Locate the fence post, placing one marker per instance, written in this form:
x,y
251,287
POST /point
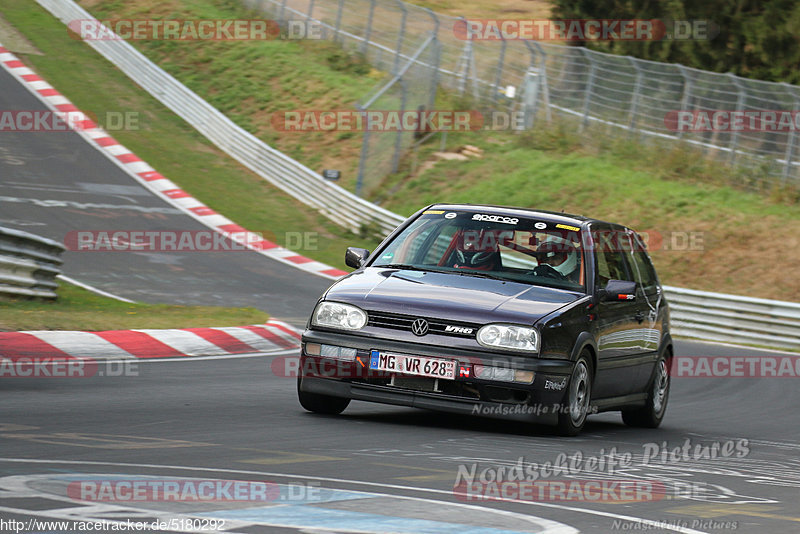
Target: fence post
x,y
468,71
791,141
369,28
280,13
436,60
436,50
337,31
400,35
637,88
587,97
362,160
530,102
545,84
310,15
499,72
687,91
398,141
537,70
740,98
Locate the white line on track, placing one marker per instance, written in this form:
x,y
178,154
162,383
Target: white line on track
x,y
641,521
94,289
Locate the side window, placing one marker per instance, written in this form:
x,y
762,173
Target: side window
x,y
645,273
610,251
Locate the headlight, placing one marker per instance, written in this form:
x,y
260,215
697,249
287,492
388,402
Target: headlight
x,y
509,337
336,315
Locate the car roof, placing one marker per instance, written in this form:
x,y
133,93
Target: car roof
x,y
554,216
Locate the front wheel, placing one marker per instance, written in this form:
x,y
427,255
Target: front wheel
x,y
317,403
652,413
573,413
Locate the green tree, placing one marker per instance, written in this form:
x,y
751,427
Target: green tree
x,y
753,38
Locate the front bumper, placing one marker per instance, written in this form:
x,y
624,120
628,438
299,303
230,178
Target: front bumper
x,y
537,401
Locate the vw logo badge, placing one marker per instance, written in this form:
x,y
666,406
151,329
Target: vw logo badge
x,y
419,327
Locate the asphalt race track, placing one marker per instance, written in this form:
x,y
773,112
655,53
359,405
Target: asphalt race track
x,y
52,183
374,468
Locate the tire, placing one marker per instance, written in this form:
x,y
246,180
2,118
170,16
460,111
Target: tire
x,y
651,415
324,404
575,409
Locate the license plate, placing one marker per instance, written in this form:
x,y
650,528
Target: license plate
x,y
412,365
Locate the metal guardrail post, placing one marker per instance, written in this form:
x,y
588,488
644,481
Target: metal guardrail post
x,y
587,97
310,15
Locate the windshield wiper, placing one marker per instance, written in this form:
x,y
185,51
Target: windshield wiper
x,y
480,274
410,267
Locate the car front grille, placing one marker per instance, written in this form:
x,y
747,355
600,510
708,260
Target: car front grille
x,y
435,326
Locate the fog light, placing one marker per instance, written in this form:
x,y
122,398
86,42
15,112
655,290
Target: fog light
x,y
313,349
336,353
503,374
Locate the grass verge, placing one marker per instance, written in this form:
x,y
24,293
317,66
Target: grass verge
x,y
79,309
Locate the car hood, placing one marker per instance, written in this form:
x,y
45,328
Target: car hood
x,y
448,296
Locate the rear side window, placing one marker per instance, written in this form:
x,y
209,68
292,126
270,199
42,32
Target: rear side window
x,y
645,272
610,248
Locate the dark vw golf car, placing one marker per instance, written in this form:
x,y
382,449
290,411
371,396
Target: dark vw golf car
x,y
505,312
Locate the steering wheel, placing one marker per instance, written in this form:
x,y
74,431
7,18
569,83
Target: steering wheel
x,y
547,271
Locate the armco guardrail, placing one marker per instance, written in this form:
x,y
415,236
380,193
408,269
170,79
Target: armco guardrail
x,y
711,316
294,178
734,319
29,264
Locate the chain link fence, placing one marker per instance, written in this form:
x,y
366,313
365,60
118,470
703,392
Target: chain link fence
x,y
600,93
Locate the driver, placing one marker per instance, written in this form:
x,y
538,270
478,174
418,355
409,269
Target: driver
x,y
477,251
556,254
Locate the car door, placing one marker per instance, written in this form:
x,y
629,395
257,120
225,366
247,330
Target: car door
x,y
618,324
649,308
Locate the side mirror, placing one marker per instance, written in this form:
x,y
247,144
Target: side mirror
x,y
618,290
355,257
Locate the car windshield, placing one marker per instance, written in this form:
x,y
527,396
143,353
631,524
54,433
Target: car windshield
x,y
474,243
